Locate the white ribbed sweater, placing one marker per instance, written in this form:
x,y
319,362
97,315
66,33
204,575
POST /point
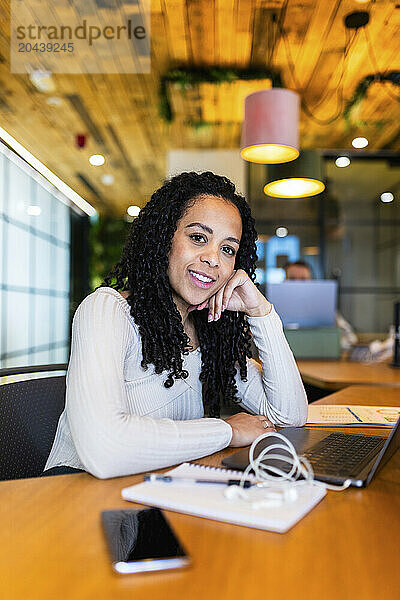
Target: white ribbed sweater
x,y
120,419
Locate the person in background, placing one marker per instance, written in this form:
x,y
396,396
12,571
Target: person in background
x,y
299,270
166,339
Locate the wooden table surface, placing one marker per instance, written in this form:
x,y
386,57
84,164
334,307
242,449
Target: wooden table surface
x,y
338,374
52,546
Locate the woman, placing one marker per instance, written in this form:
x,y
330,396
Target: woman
x,y
165,335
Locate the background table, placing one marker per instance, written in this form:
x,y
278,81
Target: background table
x,y
338,374
52,546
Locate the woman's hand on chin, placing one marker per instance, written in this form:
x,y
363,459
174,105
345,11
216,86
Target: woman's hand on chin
x,y
238,294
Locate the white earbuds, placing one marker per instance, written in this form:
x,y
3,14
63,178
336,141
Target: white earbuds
x,y
275,487
269,499
276,498
234,492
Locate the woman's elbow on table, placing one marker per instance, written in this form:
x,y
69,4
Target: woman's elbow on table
x,y
302,412
292,416
100,467
106,464
302,419
102,462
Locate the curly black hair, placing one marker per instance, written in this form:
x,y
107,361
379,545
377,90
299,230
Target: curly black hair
x,y
142,271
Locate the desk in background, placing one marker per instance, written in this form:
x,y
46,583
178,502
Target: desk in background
x,y
52,546
338,374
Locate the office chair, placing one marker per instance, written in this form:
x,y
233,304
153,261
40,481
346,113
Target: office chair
x,y
29,413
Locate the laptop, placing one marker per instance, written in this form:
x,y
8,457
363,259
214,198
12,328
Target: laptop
x,y
304,303
335,457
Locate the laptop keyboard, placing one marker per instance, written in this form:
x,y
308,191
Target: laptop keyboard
x,y
343,454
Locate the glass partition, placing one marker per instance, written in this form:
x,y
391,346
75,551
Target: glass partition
x,y
346,233
34,266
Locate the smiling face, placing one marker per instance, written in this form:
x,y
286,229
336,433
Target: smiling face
x,y
203,251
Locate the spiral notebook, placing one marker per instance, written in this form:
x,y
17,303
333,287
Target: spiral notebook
x,y
208,500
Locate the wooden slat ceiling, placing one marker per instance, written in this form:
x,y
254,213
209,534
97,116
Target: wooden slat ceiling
x,y
120,115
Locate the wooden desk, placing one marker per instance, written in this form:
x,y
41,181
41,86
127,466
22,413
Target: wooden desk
x,y
338,374
52,547
368,395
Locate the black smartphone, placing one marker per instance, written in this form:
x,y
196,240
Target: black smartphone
x,y
142,541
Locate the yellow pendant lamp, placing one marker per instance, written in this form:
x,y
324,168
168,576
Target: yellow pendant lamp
x,y
298,179
270,132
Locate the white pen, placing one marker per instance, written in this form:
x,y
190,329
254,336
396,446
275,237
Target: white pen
x,y
153,477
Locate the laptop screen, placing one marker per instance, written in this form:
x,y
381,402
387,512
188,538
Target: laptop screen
x,y
304,303
392,444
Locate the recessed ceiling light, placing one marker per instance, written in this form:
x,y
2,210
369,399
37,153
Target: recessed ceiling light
x,y
53,101
42,81
360,142
281,232
387,197
35,211
107,179
342,161
133,211
97,160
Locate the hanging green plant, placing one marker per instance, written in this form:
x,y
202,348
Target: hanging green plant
x,y
362,88
186,78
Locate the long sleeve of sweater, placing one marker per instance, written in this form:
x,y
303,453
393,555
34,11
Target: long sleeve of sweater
x,y
109,440
274,388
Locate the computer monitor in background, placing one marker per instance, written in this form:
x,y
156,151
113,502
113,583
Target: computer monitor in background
x,y
304,303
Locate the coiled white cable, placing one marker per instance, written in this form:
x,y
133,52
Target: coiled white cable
x,y
279,486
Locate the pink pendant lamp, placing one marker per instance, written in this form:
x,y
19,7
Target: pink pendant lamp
x,y
270,132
